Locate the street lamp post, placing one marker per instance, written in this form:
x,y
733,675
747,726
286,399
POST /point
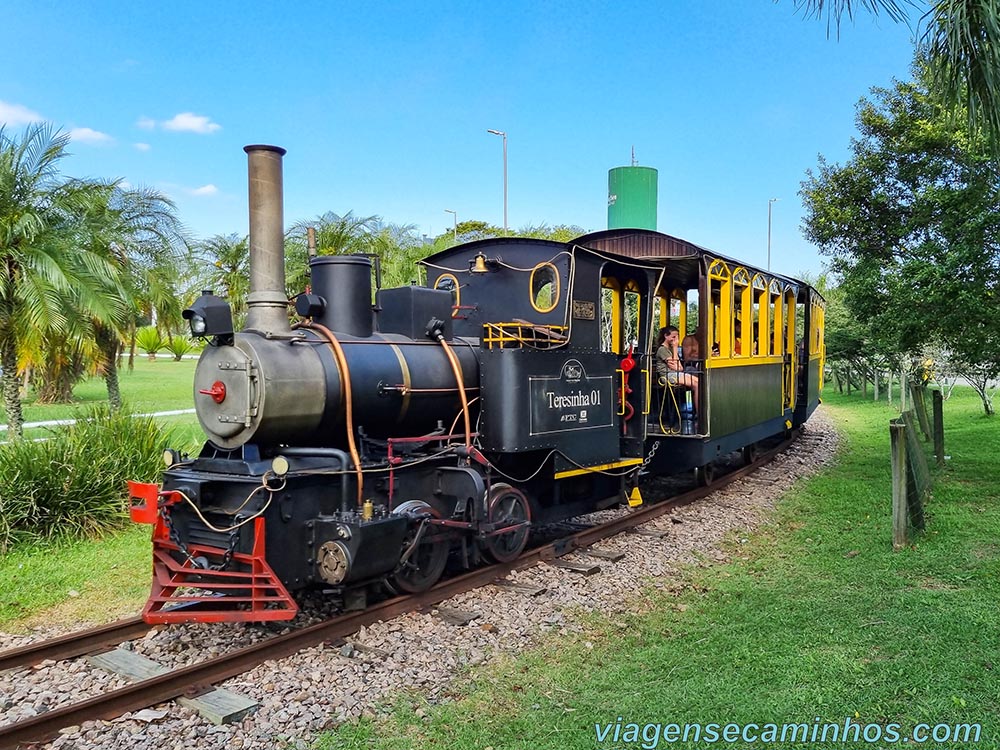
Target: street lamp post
x,y
454,216
503,135
770,201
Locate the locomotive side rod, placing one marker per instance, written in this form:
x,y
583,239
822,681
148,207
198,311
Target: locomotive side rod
x,y
173,684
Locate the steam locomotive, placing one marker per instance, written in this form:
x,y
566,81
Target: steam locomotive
x,y
367,445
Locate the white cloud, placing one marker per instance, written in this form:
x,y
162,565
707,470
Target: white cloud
x,y
205,190
189,122
142,146
146,123
16,115
89,135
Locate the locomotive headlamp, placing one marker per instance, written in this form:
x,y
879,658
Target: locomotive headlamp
x,y
279,466
210,316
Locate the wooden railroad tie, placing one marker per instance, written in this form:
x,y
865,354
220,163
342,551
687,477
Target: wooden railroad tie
x,y
581,568
217,705
451,615
522,588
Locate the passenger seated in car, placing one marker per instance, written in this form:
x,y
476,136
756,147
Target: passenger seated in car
x,y
668,364
691,350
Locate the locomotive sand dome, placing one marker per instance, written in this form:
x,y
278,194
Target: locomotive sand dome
x,y
367,447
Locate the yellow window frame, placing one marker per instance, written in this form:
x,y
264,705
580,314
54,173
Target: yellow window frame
x,y
741,293
531,287
759,287
681,296
720,317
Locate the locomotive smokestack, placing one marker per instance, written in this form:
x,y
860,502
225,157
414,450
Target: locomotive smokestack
x,y
267,301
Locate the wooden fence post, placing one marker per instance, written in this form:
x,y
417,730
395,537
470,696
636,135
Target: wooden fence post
x,y
889,392
920,407
877,375
900,517
902,390
938,426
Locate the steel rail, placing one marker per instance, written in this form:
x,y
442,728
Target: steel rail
x,y
177,683
80,642
74,644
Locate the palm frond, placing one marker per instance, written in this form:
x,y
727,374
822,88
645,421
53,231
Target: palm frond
x,y
961,45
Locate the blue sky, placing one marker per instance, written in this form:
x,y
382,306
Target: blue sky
x,y
384,107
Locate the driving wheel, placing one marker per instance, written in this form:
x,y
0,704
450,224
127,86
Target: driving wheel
x,y
425,551
507,507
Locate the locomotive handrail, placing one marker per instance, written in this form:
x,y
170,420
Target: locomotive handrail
x,y
542,336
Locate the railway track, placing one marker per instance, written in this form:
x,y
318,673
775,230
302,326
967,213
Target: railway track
x,y
196,678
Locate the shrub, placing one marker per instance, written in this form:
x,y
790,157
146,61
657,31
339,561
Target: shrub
x,y
73,483
179,346
149,340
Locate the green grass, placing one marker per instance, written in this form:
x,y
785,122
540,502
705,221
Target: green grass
x,y
110,577
162,385
815,617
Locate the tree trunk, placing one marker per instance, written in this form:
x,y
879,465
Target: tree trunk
x,y
107,340
11,386
62,370
131,352
983,391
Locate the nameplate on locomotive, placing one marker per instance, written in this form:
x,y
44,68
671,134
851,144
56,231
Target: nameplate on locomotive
x,y
584,310
570,401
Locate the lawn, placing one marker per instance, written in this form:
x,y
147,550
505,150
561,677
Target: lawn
x,y
815,620
160,385
71,582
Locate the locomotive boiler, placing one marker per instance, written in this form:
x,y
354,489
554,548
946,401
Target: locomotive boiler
x,y
383,437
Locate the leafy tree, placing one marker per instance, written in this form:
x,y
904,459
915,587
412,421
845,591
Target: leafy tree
x,y
558,233
912,225
49,281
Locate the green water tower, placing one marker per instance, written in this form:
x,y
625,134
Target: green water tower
x,y
632,198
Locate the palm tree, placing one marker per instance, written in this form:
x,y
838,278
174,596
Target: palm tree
x,y
960,41
138,231
42,265
225,262
335,235
396,246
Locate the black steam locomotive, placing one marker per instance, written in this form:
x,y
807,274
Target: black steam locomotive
x,y
368,444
